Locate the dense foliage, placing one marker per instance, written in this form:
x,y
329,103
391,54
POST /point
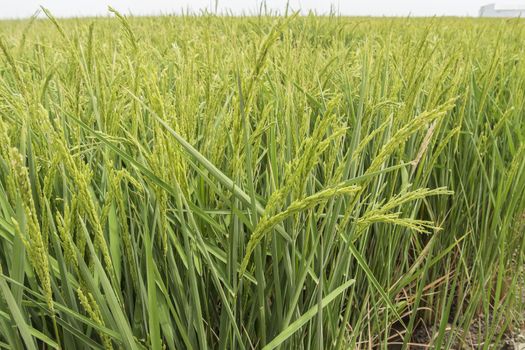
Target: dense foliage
x,y
260,182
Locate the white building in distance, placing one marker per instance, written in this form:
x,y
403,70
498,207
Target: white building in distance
x,y
505,11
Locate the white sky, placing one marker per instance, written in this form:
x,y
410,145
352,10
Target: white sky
x,y
67,8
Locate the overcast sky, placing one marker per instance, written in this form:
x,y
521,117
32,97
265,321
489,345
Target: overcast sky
x,y
67,8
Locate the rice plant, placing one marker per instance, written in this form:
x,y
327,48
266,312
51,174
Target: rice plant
x,y
193,182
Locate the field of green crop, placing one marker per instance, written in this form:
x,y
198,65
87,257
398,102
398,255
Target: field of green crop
x,y
261,182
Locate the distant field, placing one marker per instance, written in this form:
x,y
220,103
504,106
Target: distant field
x,y
260,183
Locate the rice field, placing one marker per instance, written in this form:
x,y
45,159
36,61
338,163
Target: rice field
x,y
261,182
